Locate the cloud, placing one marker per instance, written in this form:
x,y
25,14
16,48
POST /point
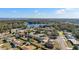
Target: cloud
x,y
14,11
64,10
69,9
61,11
67,13
39,13
36,11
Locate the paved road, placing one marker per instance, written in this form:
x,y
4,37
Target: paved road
x,y
61,40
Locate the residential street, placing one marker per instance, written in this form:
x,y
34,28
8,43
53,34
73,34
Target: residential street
x,y
61,41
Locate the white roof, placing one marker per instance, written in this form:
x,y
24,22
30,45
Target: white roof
x,y
73,41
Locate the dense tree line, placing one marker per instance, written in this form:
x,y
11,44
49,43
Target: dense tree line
x,y
8,25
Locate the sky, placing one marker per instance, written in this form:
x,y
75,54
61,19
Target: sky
x,y
39,12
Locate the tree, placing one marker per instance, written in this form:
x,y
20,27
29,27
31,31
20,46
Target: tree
x,y
75,47
49,45
54,32
4,41
76,34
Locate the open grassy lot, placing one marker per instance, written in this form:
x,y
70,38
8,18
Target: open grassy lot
x,y
5,46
